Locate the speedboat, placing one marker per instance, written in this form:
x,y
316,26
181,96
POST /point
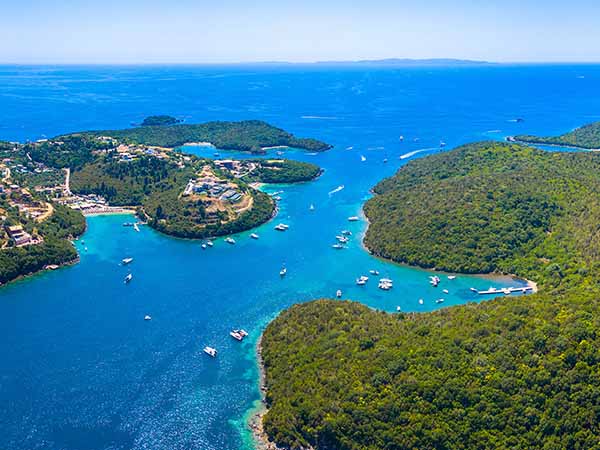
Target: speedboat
x,y
210,351
398,309
146,317
342,239
126,261
281,227
254,236
338,246
445,291
230,240
353,219
374,272
385,160
128,278
440,300
347,232
434,280
420,301
209,243
135,227
282,272
338,294
361,282
451,277
203,246
362,158
311,207
128,224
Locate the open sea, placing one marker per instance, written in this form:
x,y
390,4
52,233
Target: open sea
x,y
79,367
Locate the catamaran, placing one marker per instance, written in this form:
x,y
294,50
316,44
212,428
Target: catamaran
x,y
210,351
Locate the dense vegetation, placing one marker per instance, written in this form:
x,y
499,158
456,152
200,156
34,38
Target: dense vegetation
x,y
284,171
64,224
518,373
70,151
492,207
587,136
154,121
250,135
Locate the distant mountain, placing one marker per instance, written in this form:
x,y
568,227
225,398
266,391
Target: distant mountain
x,y
409,62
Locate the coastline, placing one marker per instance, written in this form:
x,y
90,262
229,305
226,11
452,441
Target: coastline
x,y
573,147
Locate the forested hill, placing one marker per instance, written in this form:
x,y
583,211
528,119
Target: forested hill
x,y
249,135
492,207
516,373
587,136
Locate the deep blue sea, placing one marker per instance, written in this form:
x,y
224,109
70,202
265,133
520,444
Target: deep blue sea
x,y
79,367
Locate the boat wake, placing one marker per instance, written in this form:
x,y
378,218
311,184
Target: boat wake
x,y
337,189
413,153
319,117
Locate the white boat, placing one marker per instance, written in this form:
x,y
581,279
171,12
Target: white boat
x,y
361,282
277,197
442,144
203,246
440,300
236,335
353,219
401,138
209,243
254,236
473,290
283,272
434,280
374,272
362,158
386,284
281,227
230,240
338,294
126,261
337,189
451,277
421,301
279,153
385,160
128,278
445,291
342,239
146,317
135,227
242,332
347,232
338,246
398,309
210,351
311,207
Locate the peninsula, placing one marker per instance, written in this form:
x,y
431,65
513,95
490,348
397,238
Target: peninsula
x,y
508,373
585,137
48,186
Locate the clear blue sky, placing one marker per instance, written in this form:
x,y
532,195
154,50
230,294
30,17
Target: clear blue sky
x,y
129,31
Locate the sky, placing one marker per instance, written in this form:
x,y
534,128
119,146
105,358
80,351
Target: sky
x,y
222,31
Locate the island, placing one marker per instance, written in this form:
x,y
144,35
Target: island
x,y
585,137
513,372
154,121
248,136
49,186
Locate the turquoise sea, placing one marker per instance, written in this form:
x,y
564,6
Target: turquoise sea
x,y
79,367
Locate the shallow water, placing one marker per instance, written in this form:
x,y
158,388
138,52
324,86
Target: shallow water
x,y
80,368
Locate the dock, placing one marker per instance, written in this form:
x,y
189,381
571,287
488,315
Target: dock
x,y
506,291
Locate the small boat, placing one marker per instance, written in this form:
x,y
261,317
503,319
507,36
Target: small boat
x,y
254,236
126,261
421,301
445,291
147,317
361,282
338,246
209,243
434,280
236,335
385,160
128,224
442,144
398,309
473,290
277,197
347,233
230,240
128,278
374,272
82,242
203,246
451,277
401,138
349,148
135,227
210,351
311,207
283,272
342,239
386,284
353,219
337,189
216,154
362,158
280,153
281,227
338,294
440,300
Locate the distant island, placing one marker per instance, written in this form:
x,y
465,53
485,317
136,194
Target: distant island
x,y
248,136
409,62
155,121
507,373
48,186
585,137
